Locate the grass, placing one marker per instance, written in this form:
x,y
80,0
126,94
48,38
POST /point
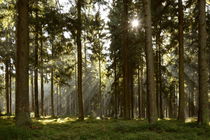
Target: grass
x,y
91,129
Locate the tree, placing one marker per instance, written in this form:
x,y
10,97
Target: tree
x,y
7,86
22,58
79,53
126,91
203,114
42,74
182,100
36,91
151,95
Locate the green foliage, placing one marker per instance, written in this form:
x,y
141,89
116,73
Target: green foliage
x,y
8,131
91,129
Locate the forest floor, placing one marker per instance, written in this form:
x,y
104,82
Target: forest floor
x,y
92,129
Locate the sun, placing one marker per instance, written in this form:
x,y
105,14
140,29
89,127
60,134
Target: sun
x,y
135,23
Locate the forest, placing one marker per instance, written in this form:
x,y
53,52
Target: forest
x,y
105,69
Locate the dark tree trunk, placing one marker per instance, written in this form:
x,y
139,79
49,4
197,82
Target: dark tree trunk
x,y
115,89
10,88
126,112
60,101
182,98
159,96
100,92
132,96
52,84
79,52
203,113
42,76
36,91
139,94
22,64
151,92
172,102
57,98
7,85
32,91
52,93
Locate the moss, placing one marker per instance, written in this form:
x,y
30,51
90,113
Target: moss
x,y
91,129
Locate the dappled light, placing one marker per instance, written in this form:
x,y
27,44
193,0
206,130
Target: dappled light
x,y
104,69
67,128
46,121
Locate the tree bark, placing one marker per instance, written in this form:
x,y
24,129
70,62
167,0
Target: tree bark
x,y
126,113
100,92
151,94
182,98
36,91
42,76
139,93
115,89
10,89
132,96
7,85
32,91
22,64
79,52
203,114
52,93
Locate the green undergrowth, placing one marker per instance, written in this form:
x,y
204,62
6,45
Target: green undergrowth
x,y
91,129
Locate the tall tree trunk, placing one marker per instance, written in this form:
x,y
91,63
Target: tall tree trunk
x,y
76,92
115,89
10,88
36,91
32,91
160,83
100,93
132,96
125,61
203,114
79,52
151,92
60,101
42,76
22,64
52,93
182,98
7,85
139,93
157,83
57,95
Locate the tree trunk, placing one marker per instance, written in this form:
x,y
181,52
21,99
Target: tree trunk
x,y
57,95
60,101
42,75
7,85
115,90
52,85
203,114
125,61
132,96
139,93
22,64
100,92
182,98
36,91
151,92
10,88
52,94
79,52
32,91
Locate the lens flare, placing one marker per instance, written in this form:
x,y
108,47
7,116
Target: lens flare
x,y
135,23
